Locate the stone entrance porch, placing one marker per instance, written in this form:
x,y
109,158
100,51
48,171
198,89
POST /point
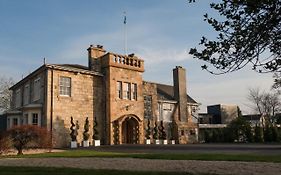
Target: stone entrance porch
x,y
127,130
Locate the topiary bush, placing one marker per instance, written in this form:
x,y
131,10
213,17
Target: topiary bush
x,y
147,134
155,131
86,134
96,132
162,133
72,128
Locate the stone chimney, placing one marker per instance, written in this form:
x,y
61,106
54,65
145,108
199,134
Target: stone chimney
x,y
94,54
180,91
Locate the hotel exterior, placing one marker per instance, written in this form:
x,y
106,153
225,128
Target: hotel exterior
x,y
110,90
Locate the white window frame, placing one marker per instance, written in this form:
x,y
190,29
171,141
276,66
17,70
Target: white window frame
x,y
36,89
13,121
35,117
26,94
119,89
18,98
64,89
127,91
167,106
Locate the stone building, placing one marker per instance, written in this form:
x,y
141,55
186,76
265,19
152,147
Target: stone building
x,y
110,90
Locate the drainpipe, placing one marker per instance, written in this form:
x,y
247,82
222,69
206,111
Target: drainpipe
x,y
52,90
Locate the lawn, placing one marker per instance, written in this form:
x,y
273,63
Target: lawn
x,y
72,171
167,156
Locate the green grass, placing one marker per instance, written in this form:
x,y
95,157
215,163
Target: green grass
x,y
167,156
75,171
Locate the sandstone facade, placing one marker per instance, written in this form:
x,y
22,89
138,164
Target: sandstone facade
x,y
111,91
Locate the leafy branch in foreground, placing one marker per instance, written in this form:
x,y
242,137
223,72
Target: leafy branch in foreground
x,y
250,34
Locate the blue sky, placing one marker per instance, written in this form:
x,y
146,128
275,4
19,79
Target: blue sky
x,y
159,31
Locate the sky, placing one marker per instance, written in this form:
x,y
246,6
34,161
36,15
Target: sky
x,y
159,31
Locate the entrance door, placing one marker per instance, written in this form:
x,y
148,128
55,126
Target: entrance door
x,y
130,131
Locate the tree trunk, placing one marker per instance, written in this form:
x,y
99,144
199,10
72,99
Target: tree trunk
x,y
20,152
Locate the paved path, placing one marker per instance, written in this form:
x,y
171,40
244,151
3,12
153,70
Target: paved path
x,y
217,167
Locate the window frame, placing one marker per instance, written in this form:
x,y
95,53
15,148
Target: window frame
x,y
35,117
18,98
65,89
17,122
134,87
120,89
36,89
127,91
26,94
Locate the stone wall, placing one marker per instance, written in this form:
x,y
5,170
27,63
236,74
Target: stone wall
x,y
85,101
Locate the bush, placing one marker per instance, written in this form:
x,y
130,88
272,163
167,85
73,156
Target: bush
x,y
239,131
258,134
29,136
5,143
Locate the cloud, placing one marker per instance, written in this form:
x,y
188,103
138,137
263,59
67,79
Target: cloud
x,y
152,55
230,89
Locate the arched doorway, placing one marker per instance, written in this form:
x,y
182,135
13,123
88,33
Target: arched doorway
x,y
130,131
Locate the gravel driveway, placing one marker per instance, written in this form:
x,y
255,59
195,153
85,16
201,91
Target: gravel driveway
x,y
217,167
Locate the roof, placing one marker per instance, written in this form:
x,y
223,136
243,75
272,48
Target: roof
x,y
73,66
166,92
65,67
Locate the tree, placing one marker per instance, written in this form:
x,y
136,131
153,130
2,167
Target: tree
x,y
265,103
26,136
249,33
5,93
239,130
258,134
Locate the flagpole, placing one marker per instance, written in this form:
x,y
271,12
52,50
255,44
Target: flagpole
x,y
125,33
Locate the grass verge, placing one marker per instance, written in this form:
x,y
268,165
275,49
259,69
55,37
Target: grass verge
x,y
167,156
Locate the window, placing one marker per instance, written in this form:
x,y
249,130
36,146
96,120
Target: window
x,y
119,89
15,121
26,119
34,119
148,106
26,95
135,92
8,123
182,132
127,91
36,88
65,86
167,106
18,98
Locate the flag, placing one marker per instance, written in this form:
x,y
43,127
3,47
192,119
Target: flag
x,y
125,20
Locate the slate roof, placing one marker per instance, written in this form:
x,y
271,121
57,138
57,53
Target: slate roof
x,y
73,66
166,92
